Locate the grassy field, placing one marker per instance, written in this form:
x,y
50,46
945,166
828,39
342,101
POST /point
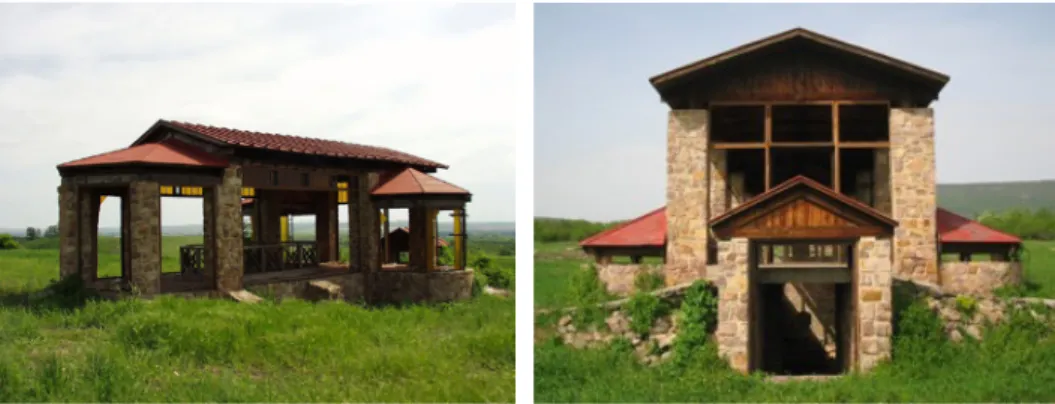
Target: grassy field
x,y
63,348
1014,362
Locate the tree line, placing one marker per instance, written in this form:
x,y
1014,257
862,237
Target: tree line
x,y
549,230
1028,224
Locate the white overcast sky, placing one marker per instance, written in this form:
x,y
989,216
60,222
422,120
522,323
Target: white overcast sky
x,y
435,81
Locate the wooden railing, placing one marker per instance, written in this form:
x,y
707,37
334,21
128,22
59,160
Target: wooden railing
x,y
256,258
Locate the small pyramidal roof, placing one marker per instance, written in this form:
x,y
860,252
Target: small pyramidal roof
x,y
414,182
953,228
167,153
649,230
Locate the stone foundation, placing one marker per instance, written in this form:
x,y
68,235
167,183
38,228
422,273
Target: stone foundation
x,y
979,278
412,287
619,279
351,287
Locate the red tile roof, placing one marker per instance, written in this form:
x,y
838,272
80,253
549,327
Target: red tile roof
x,y
163,153
649,230
414,182
303,145
953,228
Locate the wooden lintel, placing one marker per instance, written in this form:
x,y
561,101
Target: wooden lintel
x,y
737,145
864,145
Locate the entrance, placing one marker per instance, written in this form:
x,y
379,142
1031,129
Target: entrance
x,y
802,307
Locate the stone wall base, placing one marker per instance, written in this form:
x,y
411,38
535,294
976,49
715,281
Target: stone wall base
x,y
618,279
979,278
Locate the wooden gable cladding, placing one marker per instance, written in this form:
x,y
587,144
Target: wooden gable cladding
x,y
802,209
798,66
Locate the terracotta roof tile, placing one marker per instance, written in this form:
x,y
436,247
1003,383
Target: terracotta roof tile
x,y
649,230
303,145
414,182
953,228
163,153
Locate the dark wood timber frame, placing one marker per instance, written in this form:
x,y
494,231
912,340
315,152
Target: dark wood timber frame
x,y
768,144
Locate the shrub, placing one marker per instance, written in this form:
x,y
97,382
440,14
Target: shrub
x,y
647,281
479,281
587,292
497,277
7,242
699,317
966,305
643,309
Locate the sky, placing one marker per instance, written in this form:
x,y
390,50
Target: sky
x,y
600,128
431,80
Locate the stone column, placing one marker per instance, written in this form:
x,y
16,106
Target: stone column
x,y
418,244
687,202
69,228
228,238
733,302
881,182
717,182
737,189
874,301
326,226
270,214
354,223
208,213
913,193
144,203
88,221
369,224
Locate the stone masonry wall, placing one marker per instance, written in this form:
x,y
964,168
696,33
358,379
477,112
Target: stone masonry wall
x,y
733,295
68,230
687,167
913,193
145,224
719,200
979,277
370,224
228,237
619,279
874,301
88,221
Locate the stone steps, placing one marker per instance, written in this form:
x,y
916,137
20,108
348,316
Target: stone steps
x,y
323,290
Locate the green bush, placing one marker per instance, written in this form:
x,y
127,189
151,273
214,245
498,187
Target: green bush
x,y
502,278
7,242
647,281
966,305
699,317
587,291
644,309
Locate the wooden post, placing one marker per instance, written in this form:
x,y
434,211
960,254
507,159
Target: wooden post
x,y
388,251
836,177
768,141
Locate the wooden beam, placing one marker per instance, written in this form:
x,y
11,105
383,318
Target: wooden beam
x,y
768,140
836,180
737,145
864,145
801,144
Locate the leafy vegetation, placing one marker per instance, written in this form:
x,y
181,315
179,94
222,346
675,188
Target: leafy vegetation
x,y
973,199
1027,224
549,230
646,281
643,309
1014,362
8,243
699,318
68,346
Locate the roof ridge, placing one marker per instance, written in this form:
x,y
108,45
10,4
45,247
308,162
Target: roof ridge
x,y
622,225
949,212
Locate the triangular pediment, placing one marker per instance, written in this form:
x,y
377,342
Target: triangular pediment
x,y
798,65
802,209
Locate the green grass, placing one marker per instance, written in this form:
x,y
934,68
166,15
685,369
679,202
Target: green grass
x,y
171,349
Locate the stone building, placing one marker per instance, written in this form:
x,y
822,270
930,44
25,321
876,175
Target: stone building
x,y
261,177
801,182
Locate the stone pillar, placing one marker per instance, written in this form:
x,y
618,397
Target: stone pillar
x,y
69,229
88,221
228,237
733,302
326,226
913,193
418,244
208,213
144,203
269,210
717,182
874,301
881,182
355,223
369,224
687,202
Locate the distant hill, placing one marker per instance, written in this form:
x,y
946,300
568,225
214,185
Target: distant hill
x,y
974,198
